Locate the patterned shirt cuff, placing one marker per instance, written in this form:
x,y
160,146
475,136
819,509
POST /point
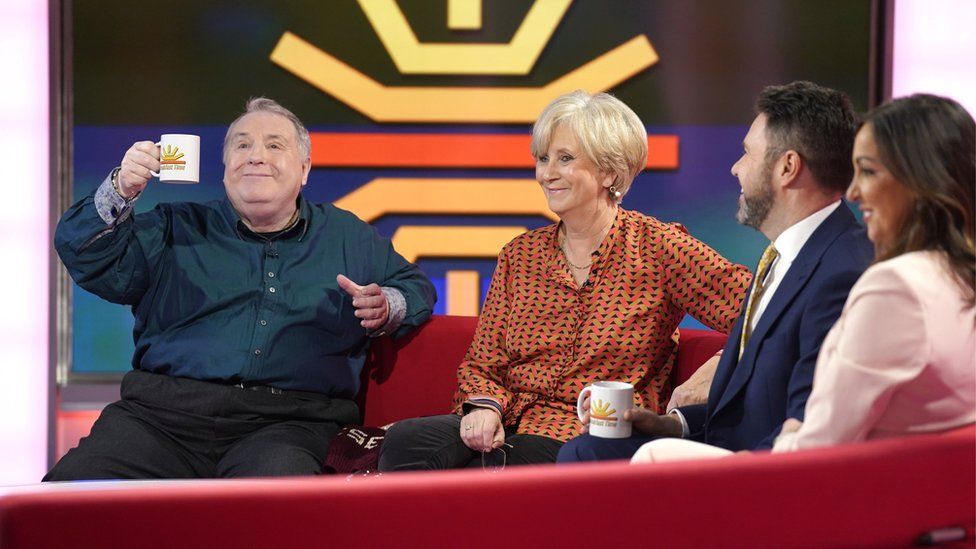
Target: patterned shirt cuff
x,y
398,311
111,207
473,403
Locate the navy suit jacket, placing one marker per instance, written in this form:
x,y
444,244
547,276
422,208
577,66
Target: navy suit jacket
x,y
751,397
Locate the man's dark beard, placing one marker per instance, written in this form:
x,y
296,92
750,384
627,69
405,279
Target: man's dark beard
x,y
753,210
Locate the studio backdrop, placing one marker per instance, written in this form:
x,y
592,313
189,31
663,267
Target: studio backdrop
x,y
420,110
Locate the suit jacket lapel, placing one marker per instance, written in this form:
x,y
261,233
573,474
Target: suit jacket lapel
x,y
794,281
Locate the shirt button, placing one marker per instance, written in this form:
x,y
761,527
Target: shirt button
x,y
264,322
257,352
271,289
270,275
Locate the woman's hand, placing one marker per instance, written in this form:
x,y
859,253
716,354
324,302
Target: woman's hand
x,y
791,425
786,439
482,430
695,390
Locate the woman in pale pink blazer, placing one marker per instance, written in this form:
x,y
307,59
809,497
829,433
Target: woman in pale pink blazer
x,y
902,357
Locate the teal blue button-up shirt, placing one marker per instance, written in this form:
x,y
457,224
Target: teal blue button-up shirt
x,y
215,302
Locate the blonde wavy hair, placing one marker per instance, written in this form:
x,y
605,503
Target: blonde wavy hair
x,y
608,131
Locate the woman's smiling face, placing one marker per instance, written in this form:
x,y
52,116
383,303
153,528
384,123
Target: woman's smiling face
x,y
884,201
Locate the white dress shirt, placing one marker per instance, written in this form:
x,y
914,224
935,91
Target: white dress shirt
x,y
788,244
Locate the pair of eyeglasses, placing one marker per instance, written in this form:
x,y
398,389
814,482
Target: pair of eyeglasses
x,y
493,461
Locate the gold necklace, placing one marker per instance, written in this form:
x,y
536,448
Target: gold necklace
x,y
583,268
562,246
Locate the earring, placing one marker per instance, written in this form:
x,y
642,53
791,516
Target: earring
x,y
614,193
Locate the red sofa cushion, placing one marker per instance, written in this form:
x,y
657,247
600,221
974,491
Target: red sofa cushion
x,y
417,375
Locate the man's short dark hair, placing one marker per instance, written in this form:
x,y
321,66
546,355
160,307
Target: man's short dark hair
x,y
818,123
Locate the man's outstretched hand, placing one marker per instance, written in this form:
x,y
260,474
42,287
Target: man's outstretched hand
x,y
371,306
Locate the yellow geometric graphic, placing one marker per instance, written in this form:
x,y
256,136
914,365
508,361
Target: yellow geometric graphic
x,y
515,57
413,241
383,196
455,104
452,104
463,292
463,15
602,410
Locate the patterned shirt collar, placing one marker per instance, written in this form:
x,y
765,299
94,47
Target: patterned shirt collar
x,y
556,264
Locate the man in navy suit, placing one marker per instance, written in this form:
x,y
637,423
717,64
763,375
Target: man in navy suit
x,y
794,170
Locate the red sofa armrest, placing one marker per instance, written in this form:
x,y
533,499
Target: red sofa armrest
x,y
694,348
876,494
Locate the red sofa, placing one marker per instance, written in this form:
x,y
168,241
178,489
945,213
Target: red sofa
x,y
416,375
883,493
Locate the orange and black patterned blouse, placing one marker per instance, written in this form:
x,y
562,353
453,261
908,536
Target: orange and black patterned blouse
x,y
541,338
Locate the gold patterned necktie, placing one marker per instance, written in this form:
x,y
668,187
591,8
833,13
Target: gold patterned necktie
x,y
758,289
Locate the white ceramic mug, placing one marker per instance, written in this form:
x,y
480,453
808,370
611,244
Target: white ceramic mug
x,y
179,158
608,402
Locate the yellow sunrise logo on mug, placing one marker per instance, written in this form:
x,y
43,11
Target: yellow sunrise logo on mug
x,y
171,158
603,410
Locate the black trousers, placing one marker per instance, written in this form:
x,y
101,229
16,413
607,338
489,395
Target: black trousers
x,y
167,427
435,443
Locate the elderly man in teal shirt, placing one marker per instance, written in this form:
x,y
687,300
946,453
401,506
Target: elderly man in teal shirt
x,y
253,314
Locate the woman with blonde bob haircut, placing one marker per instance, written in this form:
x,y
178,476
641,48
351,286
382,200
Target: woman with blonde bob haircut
x,y
597,296
610,135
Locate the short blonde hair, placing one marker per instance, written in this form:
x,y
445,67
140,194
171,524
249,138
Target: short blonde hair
x,y
609,132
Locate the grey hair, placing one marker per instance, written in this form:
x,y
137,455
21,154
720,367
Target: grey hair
x,y
263,104
611,135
